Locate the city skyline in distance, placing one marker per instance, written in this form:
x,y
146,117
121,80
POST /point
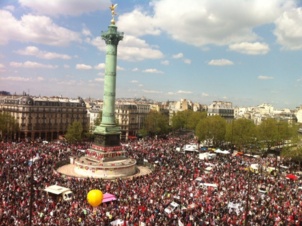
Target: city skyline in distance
x,y
245,52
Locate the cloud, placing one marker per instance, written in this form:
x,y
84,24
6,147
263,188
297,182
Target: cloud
x,y
288,29
205,94
183,92
263,77
181,56
134,81
99,79
86,31
2,68
83,67
63,7
220,62
135,69
100,66
187,61
152,91
9,8
234,22
37,29
120,68
131,49
129,22
255,48
152,70
178,56
165,62
34,51
15,79
30,64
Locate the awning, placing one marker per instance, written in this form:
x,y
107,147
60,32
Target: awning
x,y
108,197
291,177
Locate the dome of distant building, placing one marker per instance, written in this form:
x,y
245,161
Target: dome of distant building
x,y
26,100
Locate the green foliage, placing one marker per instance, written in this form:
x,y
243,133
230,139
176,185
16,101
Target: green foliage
x,y
294,153
273,133
8,124
156,123
74,132
187,119
243,132
211,128
142,132
98,119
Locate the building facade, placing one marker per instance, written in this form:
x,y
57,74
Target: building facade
x,y
131,117
43,118
221,108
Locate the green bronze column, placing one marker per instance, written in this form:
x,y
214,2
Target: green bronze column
x,y
108,124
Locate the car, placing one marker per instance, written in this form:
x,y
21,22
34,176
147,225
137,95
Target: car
x,y
190,148
58,192
206,185
171,207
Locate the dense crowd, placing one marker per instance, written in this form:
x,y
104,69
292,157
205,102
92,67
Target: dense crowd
x,y
142,200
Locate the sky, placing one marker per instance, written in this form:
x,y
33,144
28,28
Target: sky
x,y
247,52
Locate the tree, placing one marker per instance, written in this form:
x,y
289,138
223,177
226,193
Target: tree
x,y
98,119
294,154
74,132
156,123
211,129
243,132
286,131
273,133
179,120
8,125
194,118
187,119
268,133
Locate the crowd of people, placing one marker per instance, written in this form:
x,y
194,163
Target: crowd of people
x,y
141,200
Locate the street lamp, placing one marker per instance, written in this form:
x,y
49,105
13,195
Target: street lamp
x,y
247,198
31,193
31,163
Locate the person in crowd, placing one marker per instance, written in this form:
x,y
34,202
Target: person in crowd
x,y
142,199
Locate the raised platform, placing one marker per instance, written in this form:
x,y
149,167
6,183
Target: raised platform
x,y
90,167
69,171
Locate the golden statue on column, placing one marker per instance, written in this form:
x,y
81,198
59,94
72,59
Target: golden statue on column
x,y
112,8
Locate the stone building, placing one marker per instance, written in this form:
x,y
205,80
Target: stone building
x,y
222,108
43,118
131,117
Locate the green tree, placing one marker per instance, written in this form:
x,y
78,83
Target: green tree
x,y
187,119
98,119
194,118
156,123
243,132
294,153
179,120
286,131
74,132
211,129
268,133
273,133
8,125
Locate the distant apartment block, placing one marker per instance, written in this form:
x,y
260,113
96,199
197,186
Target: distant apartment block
x,y
221,108
44,118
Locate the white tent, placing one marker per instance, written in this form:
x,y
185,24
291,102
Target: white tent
x,y
225,152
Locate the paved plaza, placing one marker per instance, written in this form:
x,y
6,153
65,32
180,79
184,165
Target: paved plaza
x,y
68,170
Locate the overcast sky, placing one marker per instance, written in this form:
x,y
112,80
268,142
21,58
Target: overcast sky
x,y
247,52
